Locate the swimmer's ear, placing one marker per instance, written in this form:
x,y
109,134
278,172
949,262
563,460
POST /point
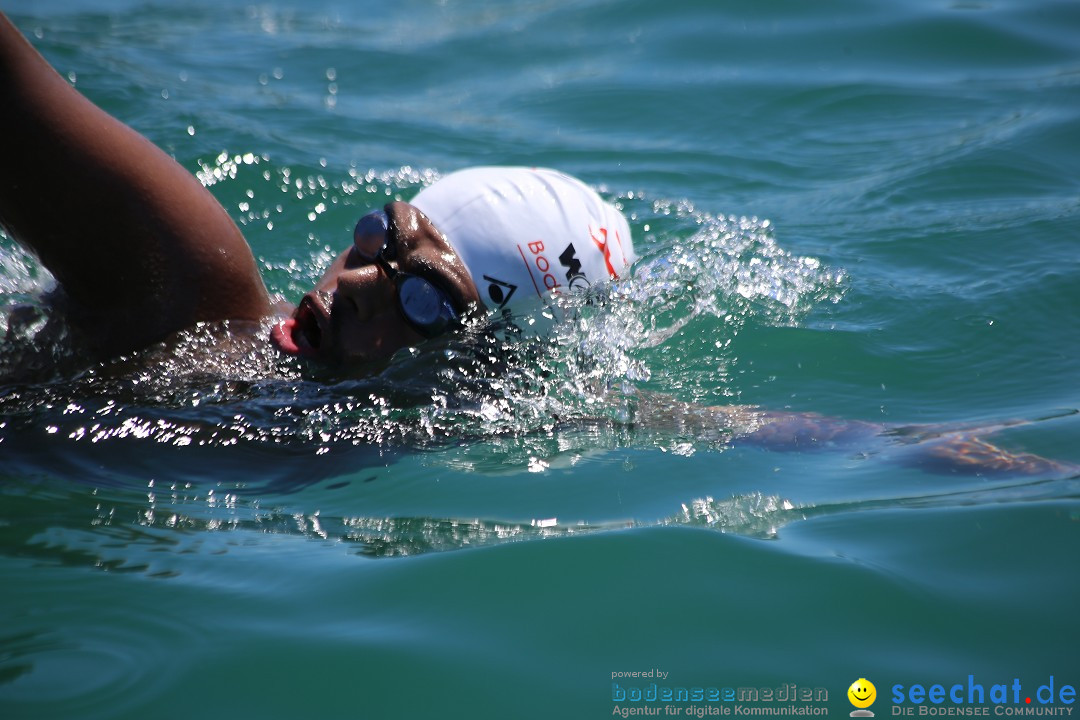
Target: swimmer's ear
x,y
423,250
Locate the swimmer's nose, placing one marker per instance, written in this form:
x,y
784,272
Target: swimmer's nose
x,y
365,290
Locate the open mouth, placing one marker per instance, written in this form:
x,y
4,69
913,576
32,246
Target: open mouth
x,y
302,334
307,330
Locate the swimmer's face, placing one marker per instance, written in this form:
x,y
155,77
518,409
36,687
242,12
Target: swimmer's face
x,y
349,318
352,316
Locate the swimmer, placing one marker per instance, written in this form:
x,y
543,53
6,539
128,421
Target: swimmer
x,y
141,251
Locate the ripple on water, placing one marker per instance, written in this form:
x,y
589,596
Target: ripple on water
x,y
97,659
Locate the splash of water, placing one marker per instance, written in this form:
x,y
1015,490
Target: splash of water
x,y
701,276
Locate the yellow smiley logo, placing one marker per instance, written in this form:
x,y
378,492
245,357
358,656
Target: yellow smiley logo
x,y
862,693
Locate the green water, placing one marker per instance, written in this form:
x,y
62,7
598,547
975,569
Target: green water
x,y
864,210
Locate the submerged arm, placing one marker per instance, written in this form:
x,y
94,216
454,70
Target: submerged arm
x,y
938,449
138,245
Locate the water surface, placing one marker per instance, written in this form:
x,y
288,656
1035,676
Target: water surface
x,y
863,210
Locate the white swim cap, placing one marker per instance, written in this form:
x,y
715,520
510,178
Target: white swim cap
x,y
526,232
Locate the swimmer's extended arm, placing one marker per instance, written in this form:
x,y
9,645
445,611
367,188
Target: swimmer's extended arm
x,y
933,448
139,246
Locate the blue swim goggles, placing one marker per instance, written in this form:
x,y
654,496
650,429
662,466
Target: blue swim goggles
x,y
423,305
